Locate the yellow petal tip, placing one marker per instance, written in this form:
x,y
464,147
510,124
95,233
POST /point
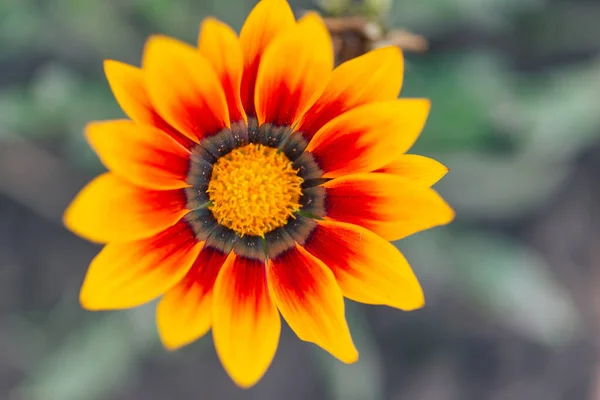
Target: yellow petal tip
x,y
450,215
112,65
311,14
350,357
245,377
108,65
170,346
68,218
245,383
313,20
173,340
208,21
418,303
393,50
91,297
160,44
87,301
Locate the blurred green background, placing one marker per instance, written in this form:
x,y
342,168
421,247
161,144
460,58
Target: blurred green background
x,y
513,307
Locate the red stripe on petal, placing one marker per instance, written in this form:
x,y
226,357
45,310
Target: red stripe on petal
x,y
391,206
375,76
111,209
285,89
423,170
246,324
205,269
368,268
219,43
128,274
141,154
184,314
129,88
184,88
267,20
311,302
368,137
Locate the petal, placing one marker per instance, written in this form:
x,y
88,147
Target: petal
x,y
368,268
129,88
375,76
111,209
293,72
267,20
221,47
246,324
311,302
368,137
129,274
143,155
425,171
184,88
391,206
184,314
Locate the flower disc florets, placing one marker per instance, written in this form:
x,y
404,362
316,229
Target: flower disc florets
x,y
254,189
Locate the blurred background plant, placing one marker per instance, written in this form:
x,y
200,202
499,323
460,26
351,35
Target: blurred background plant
x,y
513,308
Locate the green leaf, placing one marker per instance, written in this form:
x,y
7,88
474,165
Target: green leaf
x,y
94,361
492,188
516,285
464,90
363,379
499,275
559,112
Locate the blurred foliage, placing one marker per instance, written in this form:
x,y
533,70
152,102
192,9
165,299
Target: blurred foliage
x,y
115,343
514,86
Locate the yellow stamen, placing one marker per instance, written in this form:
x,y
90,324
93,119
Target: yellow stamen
x,y
254,189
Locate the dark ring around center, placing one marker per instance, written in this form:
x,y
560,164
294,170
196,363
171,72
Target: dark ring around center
x,y
275,242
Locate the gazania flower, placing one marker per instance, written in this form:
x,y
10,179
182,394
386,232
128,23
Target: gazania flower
x,y
252,181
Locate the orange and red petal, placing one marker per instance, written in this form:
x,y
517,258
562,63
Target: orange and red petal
x,y
372,77
184,88
112,209
129,88
221,47
423,170
143,155
368,269
129,274
293,72
184,314
266,21
310,300
246,324
391,206
368,137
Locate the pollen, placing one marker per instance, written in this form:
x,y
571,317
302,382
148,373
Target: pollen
x,y
254,189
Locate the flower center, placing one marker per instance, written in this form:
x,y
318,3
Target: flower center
x,y
254,189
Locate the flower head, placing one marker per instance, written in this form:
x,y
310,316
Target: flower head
x,y
253,180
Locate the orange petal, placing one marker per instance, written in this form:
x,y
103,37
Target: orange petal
x,y
293,72
311,302
143,155
267,20
368,268
375,76
221,47
184,88
391,206
246,324
368,137
129,274
184,314
129,88
111,209
423,170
